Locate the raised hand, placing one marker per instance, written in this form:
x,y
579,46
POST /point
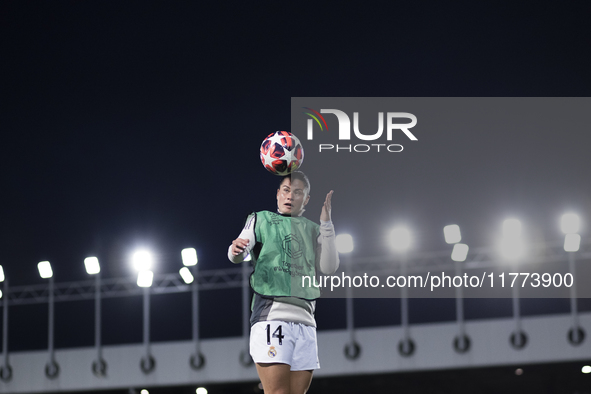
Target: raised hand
x,y
326,208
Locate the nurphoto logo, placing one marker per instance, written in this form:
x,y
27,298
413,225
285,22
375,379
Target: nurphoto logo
x,y
344,130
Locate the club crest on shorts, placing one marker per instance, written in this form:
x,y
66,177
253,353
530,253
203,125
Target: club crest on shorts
x,y
272,351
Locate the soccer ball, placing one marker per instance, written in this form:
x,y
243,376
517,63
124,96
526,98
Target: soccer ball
x,y
282,153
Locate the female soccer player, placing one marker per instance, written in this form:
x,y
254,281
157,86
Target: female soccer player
x,y
285,248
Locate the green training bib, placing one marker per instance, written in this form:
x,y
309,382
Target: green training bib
x,y
284,254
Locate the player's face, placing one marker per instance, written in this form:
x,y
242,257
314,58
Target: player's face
x,y
292,197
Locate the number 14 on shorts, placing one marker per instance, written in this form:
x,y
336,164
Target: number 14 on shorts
x,y
274,341
276,334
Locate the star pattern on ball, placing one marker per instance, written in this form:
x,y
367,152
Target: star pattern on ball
x,y
276,138
267,159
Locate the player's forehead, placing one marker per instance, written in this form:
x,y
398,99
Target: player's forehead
x,y
295,184
286,182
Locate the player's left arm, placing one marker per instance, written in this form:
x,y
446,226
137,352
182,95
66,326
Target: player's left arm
x,y
325,215
329,257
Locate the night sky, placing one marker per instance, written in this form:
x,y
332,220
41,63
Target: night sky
x,y
127,124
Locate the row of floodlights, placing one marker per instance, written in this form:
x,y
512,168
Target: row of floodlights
x,y
512,245
142,261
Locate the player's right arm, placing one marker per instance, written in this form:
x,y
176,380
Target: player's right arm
x,y
238,246
241,246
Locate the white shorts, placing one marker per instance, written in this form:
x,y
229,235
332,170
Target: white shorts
x,y
284,342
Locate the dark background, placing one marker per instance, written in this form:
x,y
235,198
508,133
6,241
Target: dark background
x,y
127,124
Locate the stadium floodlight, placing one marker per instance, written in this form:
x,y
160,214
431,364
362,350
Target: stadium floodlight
x,y
586,369
45,269
2,277
572,242
570,223
459,252
92,265
201,390
144,391
186,275
399,239
145,278
344,243
511,228
189,256
452,234
142,260
512,249
512,246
